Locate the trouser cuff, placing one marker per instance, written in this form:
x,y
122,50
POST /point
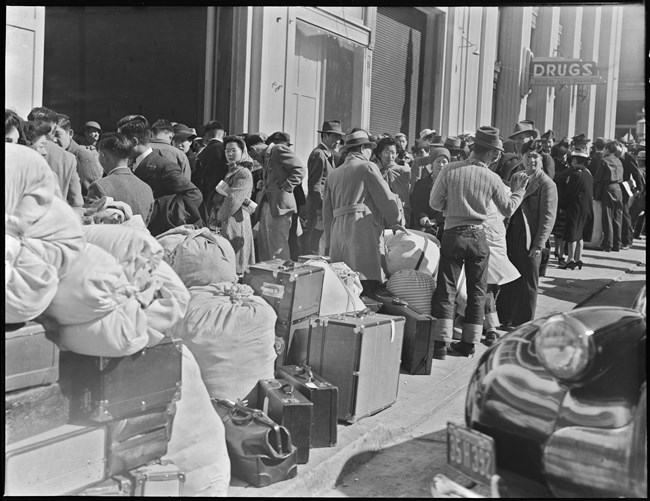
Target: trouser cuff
x,y
491,321
443,329
472,333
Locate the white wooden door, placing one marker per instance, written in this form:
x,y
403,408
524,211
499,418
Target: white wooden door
x,y
24,53
303,96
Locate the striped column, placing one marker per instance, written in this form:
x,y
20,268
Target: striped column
x,y
564,117
590,39
543,44
608,62
514,39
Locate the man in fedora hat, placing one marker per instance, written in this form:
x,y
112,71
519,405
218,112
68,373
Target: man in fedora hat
x,y
321,162
463,192
90,135
356,202
454,145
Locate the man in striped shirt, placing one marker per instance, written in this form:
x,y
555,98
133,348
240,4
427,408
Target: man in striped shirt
x,y
463,191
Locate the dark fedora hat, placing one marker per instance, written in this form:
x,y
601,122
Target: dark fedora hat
x,y
454,144
184,135
523,127
488,137
357,139
331,127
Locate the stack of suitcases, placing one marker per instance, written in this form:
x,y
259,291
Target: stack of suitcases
x,y
79,424
335,368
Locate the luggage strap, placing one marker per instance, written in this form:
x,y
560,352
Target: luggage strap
x,y
426,243
349,209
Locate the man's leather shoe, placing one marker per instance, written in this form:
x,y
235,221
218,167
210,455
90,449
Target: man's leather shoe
x,y
463,348
490,338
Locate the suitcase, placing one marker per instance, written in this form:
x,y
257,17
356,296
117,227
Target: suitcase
x,y
295,337
289,408
105,388
138,440
359,353
293,291
308,257
118,485
31,359
417,347
31,411
323,395
158,480
64,460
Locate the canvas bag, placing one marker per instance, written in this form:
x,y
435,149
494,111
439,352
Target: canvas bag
x,y
199,256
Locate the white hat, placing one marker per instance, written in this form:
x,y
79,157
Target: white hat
x,y
427,132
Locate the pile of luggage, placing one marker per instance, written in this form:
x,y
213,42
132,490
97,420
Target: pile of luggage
x,y
145,366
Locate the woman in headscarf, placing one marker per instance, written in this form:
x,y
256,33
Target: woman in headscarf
x,y
229,213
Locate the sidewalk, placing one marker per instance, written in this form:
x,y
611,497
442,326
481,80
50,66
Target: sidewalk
x,y
419,397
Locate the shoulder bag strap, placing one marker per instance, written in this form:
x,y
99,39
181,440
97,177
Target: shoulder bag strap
x,y
426,243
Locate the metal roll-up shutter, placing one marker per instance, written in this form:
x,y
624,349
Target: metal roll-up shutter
x,y
396,86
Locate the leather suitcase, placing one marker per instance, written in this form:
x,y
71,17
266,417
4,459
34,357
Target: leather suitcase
x,y
359,353
417,348
118,485
138,440
158,480
289,408
64,460
105,388
31,411
296,338
293,290
31,359
323,395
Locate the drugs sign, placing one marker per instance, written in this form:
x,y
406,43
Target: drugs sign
x,y
559,71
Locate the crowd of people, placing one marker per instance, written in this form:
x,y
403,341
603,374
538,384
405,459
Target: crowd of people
x,y
492,202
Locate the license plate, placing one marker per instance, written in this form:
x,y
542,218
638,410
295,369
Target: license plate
x,y
471,452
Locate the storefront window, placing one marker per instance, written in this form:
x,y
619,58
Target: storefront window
x,y
339,63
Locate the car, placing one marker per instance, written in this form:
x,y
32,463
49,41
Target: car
x,y
558,408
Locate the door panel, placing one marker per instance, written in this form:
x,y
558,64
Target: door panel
x,y
25,30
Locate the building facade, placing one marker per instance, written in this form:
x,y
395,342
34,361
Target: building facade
x,y
268,68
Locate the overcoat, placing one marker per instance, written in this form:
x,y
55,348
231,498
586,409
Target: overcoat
x,y
282,172
232,220
88,167
356,203
64,165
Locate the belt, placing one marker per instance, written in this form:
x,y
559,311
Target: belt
x,y
467,227
349,209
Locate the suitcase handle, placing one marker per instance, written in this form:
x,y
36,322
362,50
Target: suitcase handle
x,y
305,370
361,313
287,388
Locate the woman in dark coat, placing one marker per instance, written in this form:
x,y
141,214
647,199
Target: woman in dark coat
x,y
576,195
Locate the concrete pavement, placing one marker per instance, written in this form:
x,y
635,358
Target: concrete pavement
x,y
419,397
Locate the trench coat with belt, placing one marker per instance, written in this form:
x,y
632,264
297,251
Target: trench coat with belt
x,y
356,202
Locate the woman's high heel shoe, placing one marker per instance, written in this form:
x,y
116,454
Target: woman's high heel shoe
x,y
578,264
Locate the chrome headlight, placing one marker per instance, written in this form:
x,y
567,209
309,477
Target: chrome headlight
x,y
565,346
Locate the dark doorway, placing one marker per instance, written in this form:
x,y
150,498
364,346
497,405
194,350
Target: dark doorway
x,y
102,63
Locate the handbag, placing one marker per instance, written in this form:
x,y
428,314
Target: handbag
x,y
260,450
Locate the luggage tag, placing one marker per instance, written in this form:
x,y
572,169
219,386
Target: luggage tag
x,y
271,289
305,372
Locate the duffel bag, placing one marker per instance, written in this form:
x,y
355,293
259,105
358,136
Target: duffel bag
x,y
414,250
200,257
260,450
231,334
414,287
